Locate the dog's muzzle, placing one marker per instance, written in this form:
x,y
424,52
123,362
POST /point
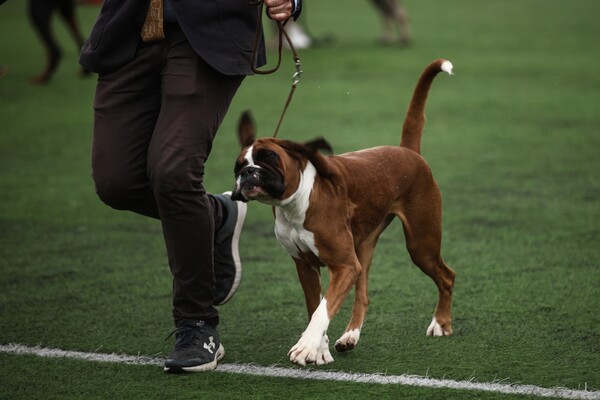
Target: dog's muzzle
x,y
247,182
249,172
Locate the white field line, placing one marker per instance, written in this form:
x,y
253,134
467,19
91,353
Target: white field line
x,y
278,372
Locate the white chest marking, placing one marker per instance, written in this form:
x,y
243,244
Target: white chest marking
x,y
290,215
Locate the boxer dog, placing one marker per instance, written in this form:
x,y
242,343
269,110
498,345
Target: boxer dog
x,y
330,210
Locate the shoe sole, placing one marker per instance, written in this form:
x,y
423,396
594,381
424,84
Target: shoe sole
x,y
235,249
200,368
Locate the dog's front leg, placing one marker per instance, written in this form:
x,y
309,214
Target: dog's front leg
x,y
313,346
310,279
304,351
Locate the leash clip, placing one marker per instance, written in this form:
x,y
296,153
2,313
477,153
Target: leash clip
x,y
298,74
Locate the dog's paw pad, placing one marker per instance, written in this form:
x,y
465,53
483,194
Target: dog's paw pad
x,y
342,347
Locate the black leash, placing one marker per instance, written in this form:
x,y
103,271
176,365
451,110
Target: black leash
x,y
282,33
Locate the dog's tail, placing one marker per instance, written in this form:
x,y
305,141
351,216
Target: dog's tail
x,y
412,130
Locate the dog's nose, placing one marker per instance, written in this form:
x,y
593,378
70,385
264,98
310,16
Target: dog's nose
x,y
248,171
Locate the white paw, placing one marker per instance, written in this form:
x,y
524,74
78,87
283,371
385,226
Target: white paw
x,y
308,351
348,340
435,329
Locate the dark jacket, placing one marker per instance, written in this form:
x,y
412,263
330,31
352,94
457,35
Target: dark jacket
x,y
220,31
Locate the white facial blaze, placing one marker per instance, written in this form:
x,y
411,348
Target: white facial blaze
x,y
248,157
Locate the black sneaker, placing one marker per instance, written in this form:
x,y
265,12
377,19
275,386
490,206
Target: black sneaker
x,y
228,267
197,348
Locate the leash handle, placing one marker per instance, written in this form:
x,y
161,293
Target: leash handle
x,y
261,3
296,77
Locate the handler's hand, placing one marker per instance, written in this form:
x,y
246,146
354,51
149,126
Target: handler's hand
x,y
279,10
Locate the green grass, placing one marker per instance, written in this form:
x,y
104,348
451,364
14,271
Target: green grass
x,y
513,141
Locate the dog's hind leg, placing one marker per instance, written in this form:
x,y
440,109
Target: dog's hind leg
x,y
351,335
423,232
443,276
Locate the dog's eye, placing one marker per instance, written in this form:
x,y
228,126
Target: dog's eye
x,y
238,167
267,156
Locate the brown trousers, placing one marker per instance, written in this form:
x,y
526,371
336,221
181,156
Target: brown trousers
x,y
154,124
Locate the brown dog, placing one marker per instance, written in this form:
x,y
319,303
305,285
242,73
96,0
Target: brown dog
x,y
331,210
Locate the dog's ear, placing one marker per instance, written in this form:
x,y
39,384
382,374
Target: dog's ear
x,y
310,150
316,158
246,129
307,149
312,146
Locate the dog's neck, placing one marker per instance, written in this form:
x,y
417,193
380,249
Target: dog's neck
x,y
290,215
295,206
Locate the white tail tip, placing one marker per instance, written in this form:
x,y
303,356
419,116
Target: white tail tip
x,y
447,67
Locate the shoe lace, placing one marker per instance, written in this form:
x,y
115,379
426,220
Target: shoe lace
x,y
186,334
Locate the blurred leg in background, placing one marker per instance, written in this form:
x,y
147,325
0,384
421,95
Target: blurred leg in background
x,y
40,14
394,17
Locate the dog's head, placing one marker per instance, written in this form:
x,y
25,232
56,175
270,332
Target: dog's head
x,y
269,170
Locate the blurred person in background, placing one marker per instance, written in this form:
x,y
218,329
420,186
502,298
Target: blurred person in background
x,y
394,19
